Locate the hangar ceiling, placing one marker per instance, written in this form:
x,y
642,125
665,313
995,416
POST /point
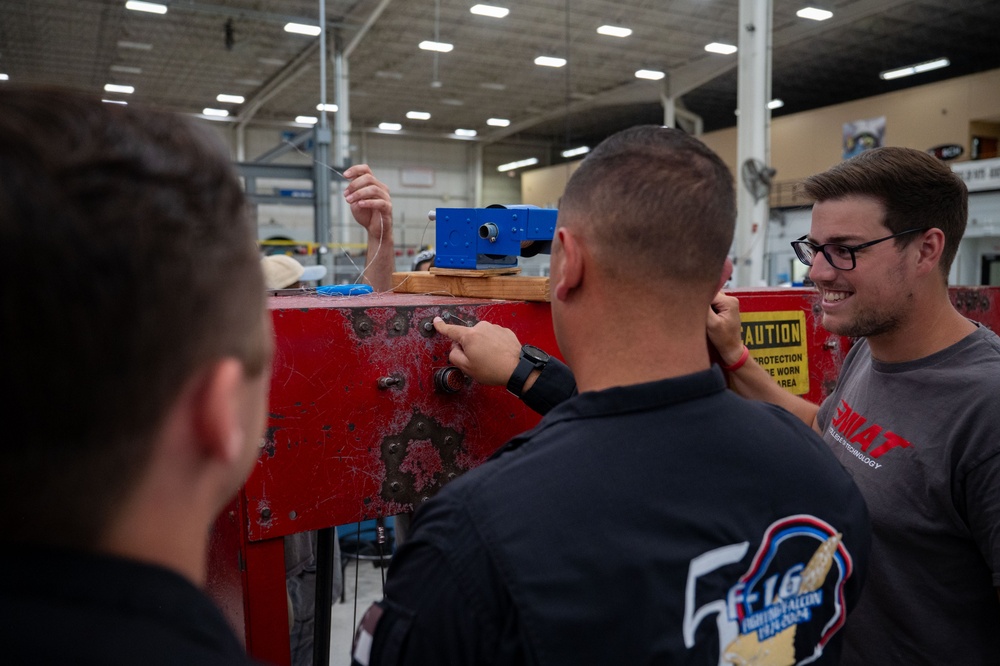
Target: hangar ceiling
x,y
183,59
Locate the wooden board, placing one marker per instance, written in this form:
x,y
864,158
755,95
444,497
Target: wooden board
x,y
506,287
477,272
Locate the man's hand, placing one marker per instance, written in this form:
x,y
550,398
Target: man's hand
x,y
370,203
486,352
724,329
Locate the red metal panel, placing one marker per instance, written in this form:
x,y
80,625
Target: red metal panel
x,y
980,304
336,442
266,626
338,447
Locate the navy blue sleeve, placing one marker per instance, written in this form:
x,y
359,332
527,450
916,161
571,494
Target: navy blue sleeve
x,y
555,384
443,602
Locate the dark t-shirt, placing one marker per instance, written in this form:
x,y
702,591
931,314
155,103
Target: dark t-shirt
x,y
61,607
667,523
922,441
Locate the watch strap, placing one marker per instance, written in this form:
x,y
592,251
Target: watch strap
x,y
520,375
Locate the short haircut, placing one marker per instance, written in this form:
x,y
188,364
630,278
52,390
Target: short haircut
x,y
129,264
658,204
918,191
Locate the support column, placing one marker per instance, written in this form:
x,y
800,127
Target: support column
x,y
342,134
669,105
753,139
321,154
475,174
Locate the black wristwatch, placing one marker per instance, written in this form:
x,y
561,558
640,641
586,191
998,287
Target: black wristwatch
x,y
531,358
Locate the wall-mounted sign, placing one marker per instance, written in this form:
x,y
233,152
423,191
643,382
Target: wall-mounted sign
x,y
948,151
777,341
979,175
862,135
416,177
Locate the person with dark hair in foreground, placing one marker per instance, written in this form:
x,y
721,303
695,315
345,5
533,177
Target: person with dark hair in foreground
x,y
654,517
142,366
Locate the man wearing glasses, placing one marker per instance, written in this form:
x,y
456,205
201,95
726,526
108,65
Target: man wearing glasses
x,y
914,416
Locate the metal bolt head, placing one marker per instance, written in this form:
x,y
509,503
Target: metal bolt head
x,y
395,486
265,514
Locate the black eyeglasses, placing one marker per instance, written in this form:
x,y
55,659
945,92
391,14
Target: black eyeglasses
x,y
839,256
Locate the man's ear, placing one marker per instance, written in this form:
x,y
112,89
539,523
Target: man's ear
x,y
216,411
930,247
572,263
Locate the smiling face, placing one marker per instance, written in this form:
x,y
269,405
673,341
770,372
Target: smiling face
x,y
876,297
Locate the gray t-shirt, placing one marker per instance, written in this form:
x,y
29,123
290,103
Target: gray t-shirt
x,y
922,439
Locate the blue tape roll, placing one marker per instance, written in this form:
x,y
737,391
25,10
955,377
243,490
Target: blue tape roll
x,y
344,289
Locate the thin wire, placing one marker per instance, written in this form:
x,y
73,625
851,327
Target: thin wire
x,y
357,566
381,228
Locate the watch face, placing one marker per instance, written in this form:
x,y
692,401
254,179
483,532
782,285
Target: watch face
x,y
534,354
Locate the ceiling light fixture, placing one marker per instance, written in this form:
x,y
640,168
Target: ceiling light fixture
x,y
498,122
489,10
465,132
390,127
450,101
122,69
775,104
718,47
306,120
231,99
114,101
215,113
651,74
510,166
418,115
547,61
303,29
440,47
113,87
914,69
151,7
814,14
329,108
614,31
4,77
492,86
573,152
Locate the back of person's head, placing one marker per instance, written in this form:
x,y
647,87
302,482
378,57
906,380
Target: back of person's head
x,y
283,272
130,264
658,205
918,191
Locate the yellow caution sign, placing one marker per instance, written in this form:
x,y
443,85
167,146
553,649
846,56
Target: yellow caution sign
x,y
777,341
